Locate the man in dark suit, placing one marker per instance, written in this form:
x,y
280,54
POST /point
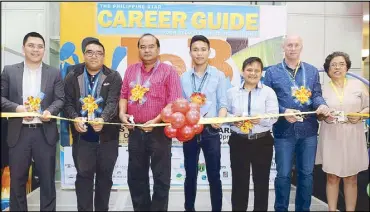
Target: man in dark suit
x,y
32,137
94,148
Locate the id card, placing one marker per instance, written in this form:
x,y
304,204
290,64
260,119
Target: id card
x,y
341,117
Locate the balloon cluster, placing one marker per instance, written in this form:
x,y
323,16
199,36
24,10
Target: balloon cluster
x,y
184,117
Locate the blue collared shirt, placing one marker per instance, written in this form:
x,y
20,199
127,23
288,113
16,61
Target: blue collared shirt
x,y
262,100
278,79
214,88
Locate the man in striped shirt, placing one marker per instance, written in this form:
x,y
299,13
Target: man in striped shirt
x,y
148,146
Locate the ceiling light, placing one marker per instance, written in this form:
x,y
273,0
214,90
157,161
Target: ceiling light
x,y
365,52
366,17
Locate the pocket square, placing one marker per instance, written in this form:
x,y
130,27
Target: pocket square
x,y
105,84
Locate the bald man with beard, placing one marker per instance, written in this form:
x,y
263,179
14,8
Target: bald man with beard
x,y
294,134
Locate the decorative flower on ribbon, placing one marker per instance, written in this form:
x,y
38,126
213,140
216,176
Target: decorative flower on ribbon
x,y
246,126
138,92
198,98
90,106
302,95
33,103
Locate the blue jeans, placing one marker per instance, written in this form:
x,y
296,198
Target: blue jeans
x,y
209,141
305,150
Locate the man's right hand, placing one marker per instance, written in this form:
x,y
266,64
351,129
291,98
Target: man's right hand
x,y
22,109
291,118
125,119
79,125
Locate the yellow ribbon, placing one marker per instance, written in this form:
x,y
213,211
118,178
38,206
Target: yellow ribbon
x,y
216,120
138,92
340,97
89,104
33,103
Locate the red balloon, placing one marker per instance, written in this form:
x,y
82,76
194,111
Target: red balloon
x,y
177,120
180,105
194,106
170,132
198,128
179,136
186,132
192,117
166,114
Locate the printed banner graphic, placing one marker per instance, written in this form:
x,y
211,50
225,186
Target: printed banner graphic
x,y
236,32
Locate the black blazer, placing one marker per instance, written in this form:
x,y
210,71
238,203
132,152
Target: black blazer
x,y
109,88
11,97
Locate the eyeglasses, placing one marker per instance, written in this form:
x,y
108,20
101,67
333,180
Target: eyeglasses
x,y
339,65
92,53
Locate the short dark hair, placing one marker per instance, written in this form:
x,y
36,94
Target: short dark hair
x,y
96,42
196,38
331,56
85,41
149,34
251,60
33,34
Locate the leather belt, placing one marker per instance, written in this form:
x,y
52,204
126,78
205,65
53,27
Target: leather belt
x,y
37,125
252,136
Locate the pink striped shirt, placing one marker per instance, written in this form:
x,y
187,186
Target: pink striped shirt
x,y
165,88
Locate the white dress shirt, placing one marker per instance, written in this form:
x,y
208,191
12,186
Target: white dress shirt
x,y
261,99
31,87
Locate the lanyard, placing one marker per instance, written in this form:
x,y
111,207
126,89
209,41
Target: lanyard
x,y
292,78
340,97
195,90
147,82
249,102
88,89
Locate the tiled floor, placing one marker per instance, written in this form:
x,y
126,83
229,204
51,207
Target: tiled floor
x,y
120,200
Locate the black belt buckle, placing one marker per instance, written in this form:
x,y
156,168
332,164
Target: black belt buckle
x,y
33,126
256,135
252,136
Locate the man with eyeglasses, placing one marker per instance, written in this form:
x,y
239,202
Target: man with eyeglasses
x,y
95,145
148,146
297,86
32,86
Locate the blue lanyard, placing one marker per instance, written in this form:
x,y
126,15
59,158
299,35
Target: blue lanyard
x,y
292,78
201,83
88,89
249,102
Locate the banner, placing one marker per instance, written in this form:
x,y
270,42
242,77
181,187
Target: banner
x,y
236,32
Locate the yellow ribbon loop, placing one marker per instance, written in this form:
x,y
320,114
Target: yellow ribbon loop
x,y
89,104
33,103
138,92
246,127
302,95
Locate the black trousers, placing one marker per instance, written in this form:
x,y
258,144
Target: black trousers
x,y
32,143
92,158
149,149
243,153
